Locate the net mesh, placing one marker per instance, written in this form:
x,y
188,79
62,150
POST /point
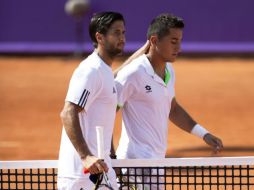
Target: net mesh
x,y
190,173
204,177
45,178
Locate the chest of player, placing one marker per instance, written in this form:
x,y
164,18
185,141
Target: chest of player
x,y
153,90
107,90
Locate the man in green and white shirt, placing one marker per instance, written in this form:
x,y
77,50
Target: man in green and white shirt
x,y
146,100
146,94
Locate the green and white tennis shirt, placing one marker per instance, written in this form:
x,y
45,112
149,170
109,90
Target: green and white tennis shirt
x,y
146,101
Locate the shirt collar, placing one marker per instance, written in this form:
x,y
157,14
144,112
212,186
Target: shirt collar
x,y
147,65
96,56
149,69
167,75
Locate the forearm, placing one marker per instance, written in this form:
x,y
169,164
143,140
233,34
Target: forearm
x,y
144,49
184,121
181,118
73,130
112,151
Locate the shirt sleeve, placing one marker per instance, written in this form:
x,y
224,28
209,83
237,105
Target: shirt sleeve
x,y
84,87
124,86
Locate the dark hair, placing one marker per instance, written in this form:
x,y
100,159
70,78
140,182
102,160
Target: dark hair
x,y
162,24
101,22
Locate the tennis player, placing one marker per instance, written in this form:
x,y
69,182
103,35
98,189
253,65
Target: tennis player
x,y
91,101
146,94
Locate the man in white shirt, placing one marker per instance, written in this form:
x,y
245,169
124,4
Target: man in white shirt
x,y
146,94
91,101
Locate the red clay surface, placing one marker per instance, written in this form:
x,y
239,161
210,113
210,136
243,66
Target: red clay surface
x,y
218,93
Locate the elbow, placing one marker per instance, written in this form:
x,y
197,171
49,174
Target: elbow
x,y
69,112
63,115
172,114
66,112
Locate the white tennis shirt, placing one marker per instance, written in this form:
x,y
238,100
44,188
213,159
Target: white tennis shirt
x,y
91,87
146,101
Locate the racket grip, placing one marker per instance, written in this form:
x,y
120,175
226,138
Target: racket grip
x,y
92,177
100,145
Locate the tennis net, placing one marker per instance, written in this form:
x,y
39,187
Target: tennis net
x,y
170,173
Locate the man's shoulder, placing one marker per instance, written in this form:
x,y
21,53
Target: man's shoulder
x,y
90,61
91,64
135,67
86,68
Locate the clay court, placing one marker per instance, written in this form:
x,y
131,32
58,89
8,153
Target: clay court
x,y
217,92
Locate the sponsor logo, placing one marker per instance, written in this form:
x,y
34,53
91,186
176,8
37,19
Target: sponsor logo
x,y
148,88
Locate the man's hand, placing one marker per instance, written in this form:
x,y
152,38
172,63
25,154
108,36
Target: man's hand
x,y
214,142
94,165
143,50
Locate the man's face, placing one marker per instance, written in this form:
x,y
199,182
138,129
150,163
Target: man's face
x,y
169,46
114,40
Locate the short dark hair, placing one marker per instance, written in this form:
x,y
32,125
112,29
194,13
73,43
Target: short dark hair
x,y
101,22
162,24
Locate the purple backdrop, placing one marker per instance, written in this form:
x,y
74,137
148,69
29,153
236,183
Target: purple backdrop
x,y
43,26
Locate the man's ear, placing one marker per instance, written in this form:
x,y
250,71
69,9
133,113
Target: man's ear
x,y
98,37
153,40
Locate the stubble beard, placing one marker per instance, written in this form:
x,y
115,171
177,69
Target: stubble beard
x,y
114,52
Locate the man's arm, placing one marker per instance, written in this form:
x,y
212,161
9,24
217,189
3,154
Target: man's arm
x,y
70,121
112,151
180,117
184,121
144,49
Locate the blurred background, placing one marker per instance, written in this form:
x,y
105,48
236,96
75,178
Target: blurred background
x,y
41,43
30,26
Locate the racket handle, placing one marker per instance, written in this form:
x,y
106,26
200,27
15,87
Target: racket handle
x,y
100,145
100,142
86,171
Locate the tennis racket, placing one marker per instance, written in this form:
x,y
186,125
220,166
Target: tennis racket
x,y
100,180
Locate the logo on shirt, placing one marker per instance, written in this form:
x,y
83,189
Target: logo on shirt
x,y
84,98
148,88
114,90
